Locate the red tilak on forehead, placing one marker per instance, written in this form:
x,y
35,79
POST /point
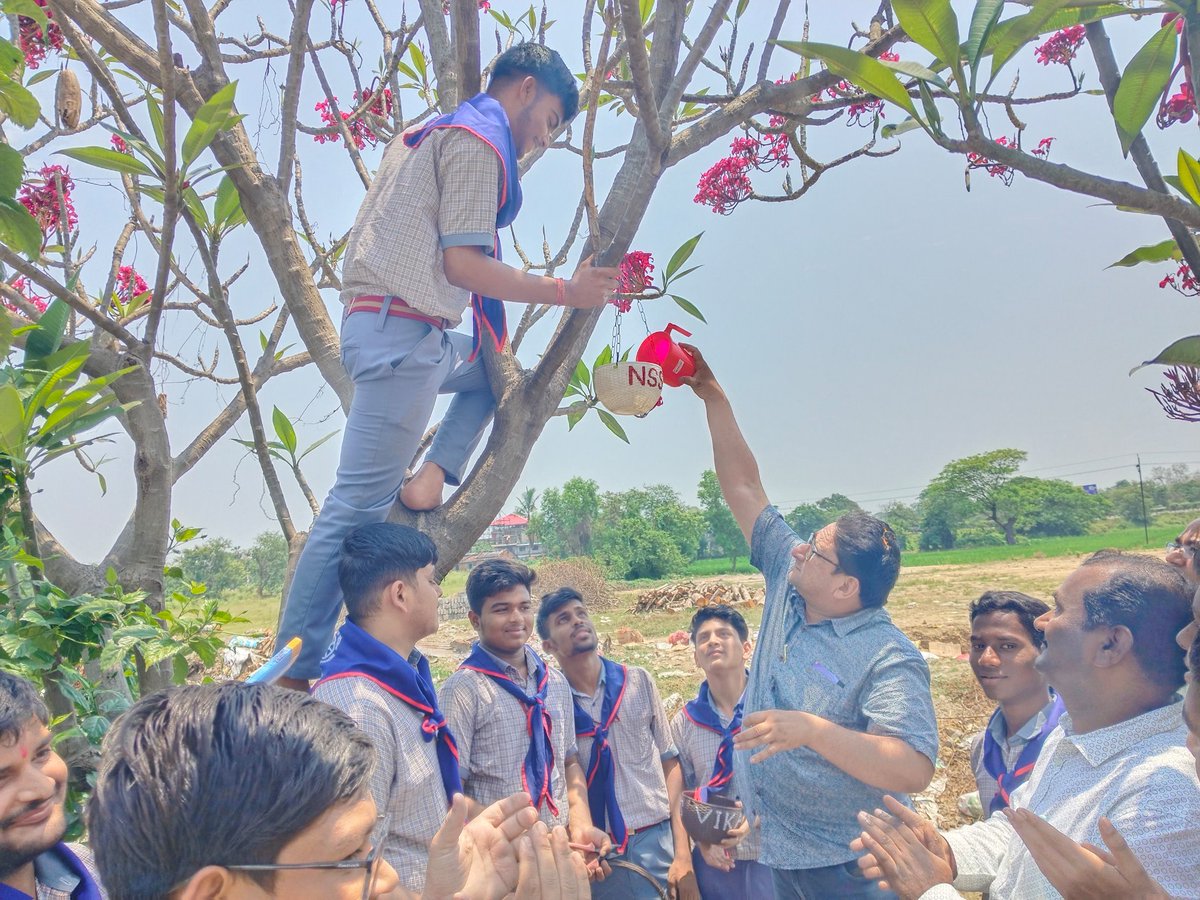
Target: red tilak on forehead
x,y
24,753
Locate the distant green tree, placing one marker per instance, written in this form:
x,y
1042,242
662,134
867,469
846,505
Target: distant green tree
x,y
527,503
905,520
1050,508
567,516
634,548
268,558
943,513
810,517
725,531
980,479
1125,499
662,508
217,563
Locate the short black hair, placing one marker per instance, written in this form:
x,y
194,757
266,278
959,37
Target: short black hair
x,y
552,603
1153,600
545,65
1193,657
217,774
868,549
493,576
1024,607
374,556
725,613
20,703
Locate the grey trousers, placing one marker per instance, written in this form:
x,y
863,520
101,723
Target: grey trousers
x,y
399,366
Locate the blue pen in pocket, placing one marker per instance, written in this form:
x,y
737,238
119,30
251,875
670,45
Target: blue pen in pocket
x,y
829,674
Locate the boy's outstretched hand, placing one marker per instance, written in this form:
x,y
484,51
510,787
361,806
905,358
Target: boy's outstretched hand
x,y
591,285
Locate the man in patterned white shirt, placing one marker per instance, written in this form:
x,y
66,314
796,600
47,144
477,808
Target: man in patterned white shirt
x,y
424,247
1118,752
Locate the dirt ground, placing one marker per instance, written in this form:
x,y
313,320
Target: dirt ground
x,y
929,604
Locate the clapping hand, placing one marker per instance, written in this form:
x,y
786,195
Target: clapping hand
x,y
902,851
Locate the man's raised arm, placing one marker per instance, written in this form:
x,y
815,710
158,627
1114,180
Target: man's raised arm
x,y
737,470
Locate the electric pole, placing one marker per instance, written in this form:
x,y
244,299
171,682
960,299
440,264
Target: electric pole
x,y
1142,488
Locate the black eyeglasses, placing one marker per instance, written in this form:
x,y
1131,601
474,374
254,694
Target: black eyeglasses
x,y
813,551
368,863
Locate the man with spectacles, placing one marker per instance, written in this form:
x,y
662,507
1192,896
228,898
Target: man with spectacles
x,y
838,706
1181,552
244,792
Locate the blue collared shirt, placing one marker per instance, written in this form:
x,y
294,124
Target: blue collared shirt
x,y
858,671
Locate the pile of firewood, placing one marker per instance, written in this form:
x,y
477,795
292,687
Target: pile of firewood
x,y
681,595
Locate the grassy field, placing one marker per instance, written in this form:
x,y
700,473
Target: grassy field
x,y
1118,539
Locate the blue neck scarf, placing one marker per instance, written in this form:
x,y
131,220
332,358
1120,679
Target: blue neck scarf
x,y
993,757
538,771
355,654
601,771
485,118
704,715
87,889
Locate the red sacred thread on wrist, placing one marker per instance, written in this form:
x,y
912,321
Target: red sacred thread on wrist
x,y
560,292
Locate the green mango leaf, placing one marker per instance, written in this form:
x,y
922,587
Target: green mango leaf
x,y
18,229
933,25
604,359
574,416
1154,253
18,103
315,444
680,256
156,119
39,77
689,307
582,375
610,421
1183,352
192,201
51,327
113,160
866,73
983,20
12,171
742,6
931,110
1189,176
284,430
210,120
1142,84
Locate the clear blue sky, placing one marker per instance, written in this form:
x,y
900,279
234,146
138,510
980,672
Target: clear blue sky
x,y
882,325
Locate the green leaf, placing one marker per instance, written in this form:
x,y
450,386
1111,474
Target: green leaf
x,y
983,20
1189,176
284,430
112,160
28,9
574,416
1154,253
1142,84
1011,35
891,130
12,60
741,8
18,103
39,77
1184,352
12,170
315,444
689,308
868,74
12,423
18,229
612,424
50,330
681,255
210,120
6,335
228,211
582,375
192,201
933,25
604,359
931,110
916,70
156,119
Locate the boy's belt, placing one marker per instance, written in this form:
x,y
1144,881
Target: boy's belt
x,y
394,307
